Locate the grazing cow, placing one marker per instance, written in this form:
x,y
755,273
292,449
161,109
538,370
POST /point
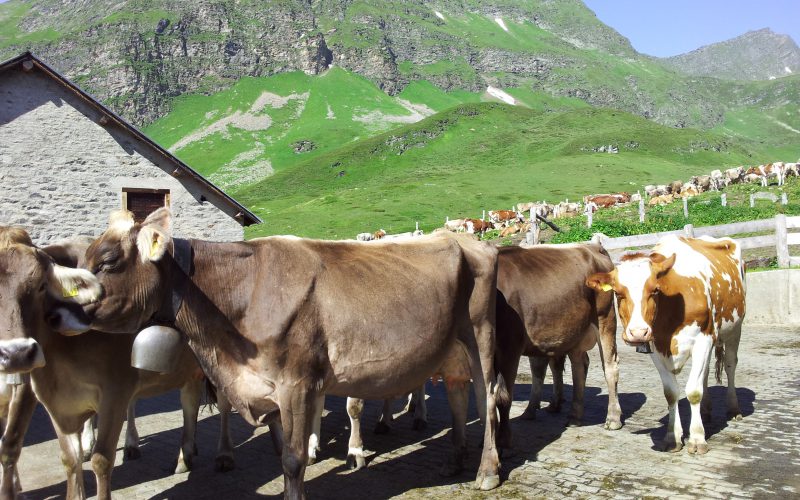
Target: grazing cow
x,y
514,229
505,217
476,226
703,183
790,169
674,187
76,377
689,190
602,200
271,326
752,178
567,209
734,175
683,299
718,179
664,199
380,233
539,208
454,225
545,310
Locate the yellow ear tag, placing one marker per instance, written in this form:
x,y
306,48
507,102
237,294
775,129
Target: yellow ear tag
x,y
69,293
606,287
154,248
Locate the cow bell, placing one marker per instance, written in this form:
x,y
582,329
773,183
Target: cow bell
x,y
156,348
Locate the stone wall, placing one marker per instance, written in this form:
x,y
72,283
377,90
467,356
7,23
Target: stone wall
x,y
61,172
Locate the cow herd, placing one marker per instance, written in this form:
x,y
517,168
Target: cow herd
x,y
277,323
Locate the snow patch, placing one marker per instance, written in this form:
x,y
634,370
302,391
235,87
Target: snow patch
x,y
499,94
439,14
418,112
500,23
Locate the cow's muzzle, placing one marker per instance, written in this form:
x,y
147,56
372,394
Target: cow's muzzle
x,y
634,336
20,355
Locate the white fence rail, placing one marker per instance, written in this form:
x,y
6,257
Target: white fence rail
x,y
780,238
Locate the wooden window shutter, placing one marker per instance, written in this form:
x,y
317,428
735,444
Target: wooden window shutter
x,y
143,202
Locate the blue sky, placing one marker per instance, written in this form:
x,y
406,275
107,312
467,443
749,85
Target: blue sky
x,y
669,27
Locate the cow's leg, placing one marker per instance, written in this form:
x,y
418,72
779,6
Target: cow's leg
x,y
20,410
276,434
538,371
579,362
556,364
673,438
731,359
355,447
488,389
109,425
190,404
224,459
87,439
131,450
607,343
296,407
458,399
701,356
316,429
384,425
71,455
508,364
420,407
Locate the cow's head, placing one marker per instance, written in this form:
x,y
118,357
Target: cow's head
x,y
125,259
636,284
31,284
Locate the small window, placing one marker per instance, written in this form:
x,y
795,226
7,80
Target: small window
x,y
142,202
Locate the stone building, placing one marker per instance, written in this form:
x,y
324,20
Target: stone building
x,y
67,161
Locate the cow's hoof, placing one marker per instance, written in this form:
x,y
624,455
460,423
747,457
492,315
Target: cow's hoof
x,y
697,448
735,415
311,460
224,463
183,467
382,428
486,483
356,462
528,414
131,453
419,424
613,425
671,446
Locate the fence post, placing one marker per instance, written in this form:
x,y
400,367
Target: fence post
x,y
781,245
724,199
446,219
483,217
752,201
688,230
686,208
784,200
641,210
589,215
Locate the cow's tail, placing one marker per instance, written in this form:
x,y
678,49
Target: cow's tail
x,y
210,394
501,395
719,351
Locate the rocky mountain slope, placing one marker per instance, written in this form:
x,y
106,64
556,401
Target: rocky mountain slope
x,y
756,55
138,55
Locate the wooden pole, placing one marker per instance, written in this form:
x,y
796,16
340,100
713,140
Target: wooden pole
x,y
781,244
641,210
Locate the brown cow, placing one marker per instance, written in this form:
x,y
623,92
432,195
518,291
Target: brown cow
x,y
279,322
545,310
683,300
76,377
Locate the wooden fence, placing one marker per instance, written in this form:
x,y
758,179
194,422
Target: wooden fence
x,y
780,237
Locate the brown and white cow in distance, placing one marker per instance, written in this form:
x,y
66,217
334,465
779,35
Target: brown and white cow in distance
x,y
684,299
77,377
279,322
545,310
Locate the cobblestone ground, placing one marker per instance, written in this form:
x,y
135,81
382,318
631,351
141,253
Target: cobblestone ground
x,y
756,457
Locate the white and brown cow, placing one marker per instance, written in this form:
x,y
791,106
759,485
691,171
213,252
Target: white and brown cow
x,y
77,377
279,322
683,300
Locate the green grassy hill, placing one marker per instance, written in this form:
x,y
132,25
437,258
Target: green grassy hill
x,y
474,157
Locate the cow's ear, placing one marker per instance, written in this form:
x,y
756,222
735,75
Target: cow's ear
x,y
155,235
602,282
73,285
660,264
